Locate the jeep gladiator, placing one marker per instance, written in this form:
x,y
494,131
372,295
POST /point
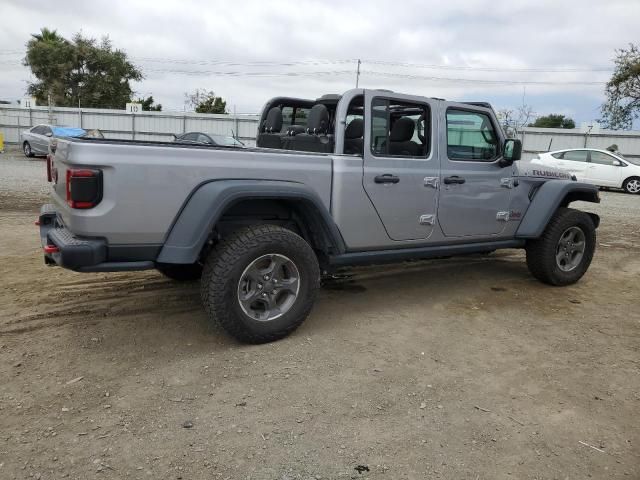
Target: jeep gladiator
x,y
369,176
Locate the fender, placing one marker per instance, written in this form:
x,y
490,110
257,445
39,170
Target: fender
x,y
551,195
207,203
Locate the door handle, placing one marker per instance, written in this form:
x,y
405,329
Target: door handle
x,y
386,178
454,179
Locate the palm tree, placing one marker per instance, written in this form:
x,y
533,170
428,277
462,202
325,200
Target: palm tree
x,y
48,36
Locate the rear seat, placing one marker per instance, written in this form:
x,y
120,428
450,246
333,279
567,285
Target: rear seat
x,y
270,136
353,141
317,137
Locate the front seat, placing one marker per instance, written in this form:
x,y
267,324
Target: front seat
x,y
400,142
269,136
353,141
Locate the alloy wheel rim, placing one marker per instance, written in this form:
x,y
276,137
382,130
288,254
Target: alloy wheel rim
x,y
570,249
268,287
27,149
633,186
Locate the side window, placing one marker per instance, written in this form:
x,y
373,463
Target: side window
x,y
601,158
575,155
38,130
557,155
46,130
400,129
471,136
203,138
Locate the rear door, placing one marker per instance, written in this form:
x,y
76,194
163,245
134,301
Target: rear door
x,y
401,165
475,190
602,171
38,139
575,162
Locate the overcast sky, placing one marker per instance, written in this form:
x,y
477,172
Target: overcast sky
x,y
248,51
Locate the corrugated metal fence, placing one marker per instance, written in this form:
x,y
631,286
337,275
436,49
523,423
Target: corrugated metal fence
x,y
161,126
119,124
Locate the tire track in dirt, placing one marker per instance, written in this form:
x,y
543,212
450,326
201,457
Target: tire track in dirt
x,y
77,301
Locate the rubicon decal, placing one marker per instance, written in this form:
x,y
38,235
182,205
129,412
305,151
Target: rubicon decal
x,y
550,173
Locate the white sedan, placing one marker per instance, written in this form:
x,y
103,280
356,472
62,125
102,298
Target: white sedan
x,y
598,167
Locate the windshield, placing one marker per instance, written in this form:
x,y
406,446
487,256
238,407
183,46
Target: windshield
x,y
227,141
634,161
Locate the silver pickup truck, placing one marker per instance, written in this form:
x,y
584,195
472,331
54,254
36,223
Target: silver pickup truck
x,y
366,177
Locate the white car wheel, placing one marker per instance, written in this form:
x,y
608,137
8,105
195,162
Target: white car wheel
x,y
632,185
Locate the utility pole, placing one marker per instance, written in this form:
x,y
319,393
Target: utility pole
x,y
358,73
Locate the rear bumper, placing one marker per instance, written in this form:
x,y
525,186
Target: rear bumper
x,y
64,249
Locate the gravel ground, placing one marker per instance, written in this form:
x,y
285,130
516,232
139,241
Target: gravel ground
x,y
23,181
464,368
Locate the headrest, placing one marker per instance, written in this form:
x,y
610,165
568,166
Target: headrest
x,y
293,130
273,122
318,121
355,129
402,130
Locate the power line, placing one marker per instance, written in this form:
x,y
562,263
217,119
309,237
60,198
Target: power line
x,y
302,73
316,62
249,74
266,63
491,69
479,80
370,72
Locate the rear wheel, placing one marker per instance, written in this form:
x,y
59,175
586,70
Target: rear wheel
x,y
181,273
260,283
26,148
632,185
563,253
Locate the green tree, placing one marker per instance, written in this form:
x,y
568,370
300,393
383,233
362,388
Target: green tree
x,y
622,105
81,70
203,101
553,120
148,106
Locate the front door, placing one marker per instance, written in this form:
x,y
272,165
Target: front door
x,y
401,165
475,190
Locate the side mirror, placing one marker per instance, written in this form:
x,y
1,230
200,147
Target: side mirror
x,y
617,163
49,134
512,151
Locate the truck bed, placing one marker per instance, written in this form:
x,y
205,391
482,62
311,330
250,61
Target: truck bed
x,y
146,183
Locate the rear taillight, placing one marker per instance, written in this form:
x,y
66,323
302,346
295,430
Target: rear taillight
x,y
84,188
49,160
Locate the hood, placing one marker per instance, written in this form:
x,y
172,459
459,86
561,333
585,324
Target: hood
x,y
535,170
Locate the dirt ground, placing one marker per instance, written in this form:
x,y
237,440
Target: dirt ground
x,y
463,368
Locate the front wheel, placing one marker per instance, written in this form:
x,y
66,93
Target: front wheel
x,y
563,253
26,148
260,283
632,185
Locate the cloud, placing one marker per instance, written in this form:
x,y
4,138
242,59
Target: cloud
x,y
169,38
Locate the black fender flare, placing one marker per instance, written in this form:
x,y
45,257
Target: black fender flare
x,y
207,203
548,198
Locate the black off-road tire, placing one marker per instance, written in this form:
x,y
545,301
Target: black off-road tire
x,y
181,273
541,252
626,186
26,149
224,268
